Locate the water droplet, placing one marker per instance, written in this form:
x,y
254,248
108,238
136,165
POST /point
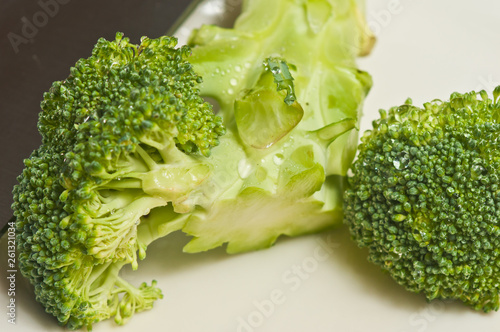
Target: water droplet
x,y
278,159
233,81
237,69
401,161
230,91
363,195
244,168
398,217
476,171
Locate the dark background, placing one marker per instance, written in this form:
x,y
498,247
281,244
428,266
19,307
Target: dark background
x,y
39,41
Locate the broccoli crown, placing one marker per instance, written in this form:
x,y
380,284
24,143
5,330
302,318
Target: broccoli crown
x,y
124,94
106,130
424,197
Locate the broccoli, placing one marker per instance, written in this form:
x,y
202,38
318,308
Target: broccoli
x,y
296,151
118,137
131,151
424,199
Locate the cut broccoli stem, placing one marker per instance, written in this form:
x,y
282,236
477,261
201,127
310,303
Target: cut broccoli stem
x,y
115,230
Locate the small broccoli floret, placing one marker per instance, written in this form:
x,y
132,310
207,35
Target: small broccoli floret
x,y
424,197
126,94
75,287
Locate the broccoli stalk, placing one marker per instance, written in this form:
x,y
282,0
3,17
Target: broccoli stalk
x,y
424,197
291,96
131,152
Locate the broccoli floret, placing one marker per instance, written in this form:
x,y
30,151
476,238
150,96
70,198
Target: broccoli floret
x,y
424,197
131,152
126,132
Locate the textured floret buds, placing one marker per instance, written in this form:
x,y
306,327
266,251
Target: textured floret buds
x,y
424,197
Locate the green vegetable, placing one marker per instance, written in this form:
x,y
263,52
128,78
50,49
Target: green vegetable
x,y
118,140
293,155
131,152
424,197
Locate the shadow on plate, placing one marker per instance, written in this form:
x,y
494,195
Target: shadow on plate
x,y
374,280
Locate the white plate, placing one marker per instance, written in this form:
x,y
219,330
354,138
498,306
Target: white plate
x,y
426,49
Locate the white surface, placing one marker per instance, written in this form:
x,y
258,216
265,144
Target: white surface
x,y
426,49
429,49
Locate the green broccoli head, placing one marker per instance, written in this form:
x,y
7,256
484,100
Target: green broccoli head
x,y
424,197
126,132
126,94
124,120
